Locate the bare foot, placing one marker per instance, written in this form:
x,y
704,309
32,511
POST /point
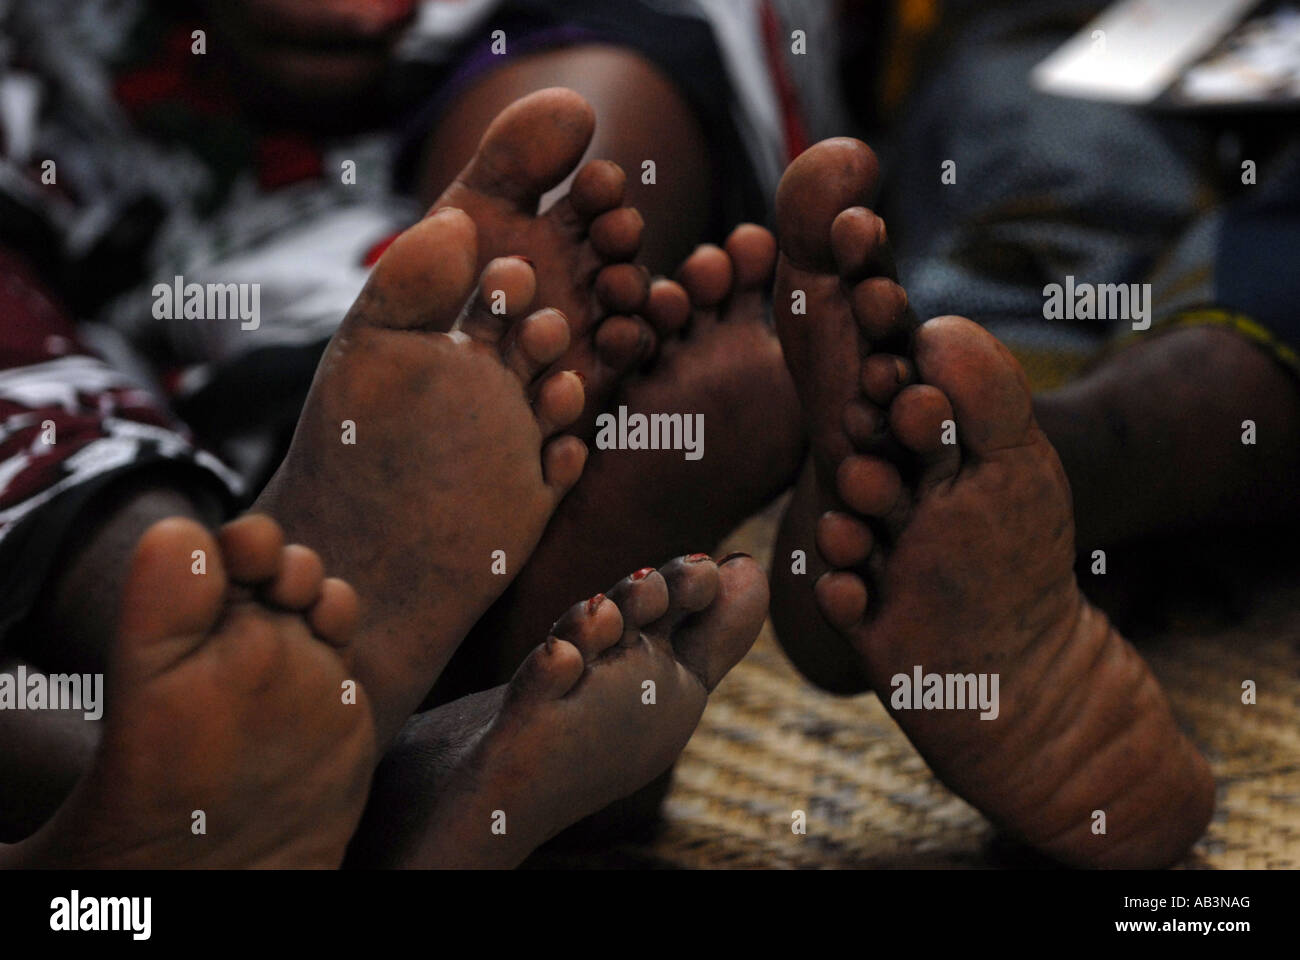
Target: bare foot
x,y
227,697
580,245
822,287
426,463
599,710
719,358
956,558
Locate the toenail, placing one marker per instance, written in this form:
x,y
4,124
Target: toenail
x,y
549,644
642,574
594,603
733,556
900,369
520,256
580,377
698,558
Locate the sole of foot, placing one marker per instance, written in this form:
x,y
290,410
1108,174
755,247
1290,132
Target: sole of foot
x,y
597,711
428,457
582,245
952,554
719,363
235,734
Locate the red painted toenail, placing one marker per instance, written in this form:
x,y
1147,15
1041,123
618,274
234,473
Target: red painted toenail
x,y
520,256
594,603
698,558
733,556
642,574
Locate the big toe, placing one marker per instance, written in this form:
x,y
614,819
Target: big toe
x,y
986,386
531,146
424,277
175,586
825,179
715,639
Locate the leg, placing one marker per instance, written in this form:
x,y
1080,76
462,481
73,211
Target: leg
x,y
1151,439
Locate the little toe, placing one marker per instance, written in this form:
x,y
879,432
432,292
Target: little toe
x,y
559,401
336,614
562,461
842,598
714,640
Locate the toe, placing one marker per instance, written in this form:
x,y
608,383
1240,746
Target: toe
x,y
921,419
869,485
843,540
860,245
537,342
983,382
616,235
559,401
883,375
706,275
251,547
623,287
297,585
668,307
692,584
864,423
592,626
842,599
505,291
548,673
752,250
880,307
336,614
562,461
530,147
597,189
175,588
623,342
642,598
424,277
714,640
825,179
